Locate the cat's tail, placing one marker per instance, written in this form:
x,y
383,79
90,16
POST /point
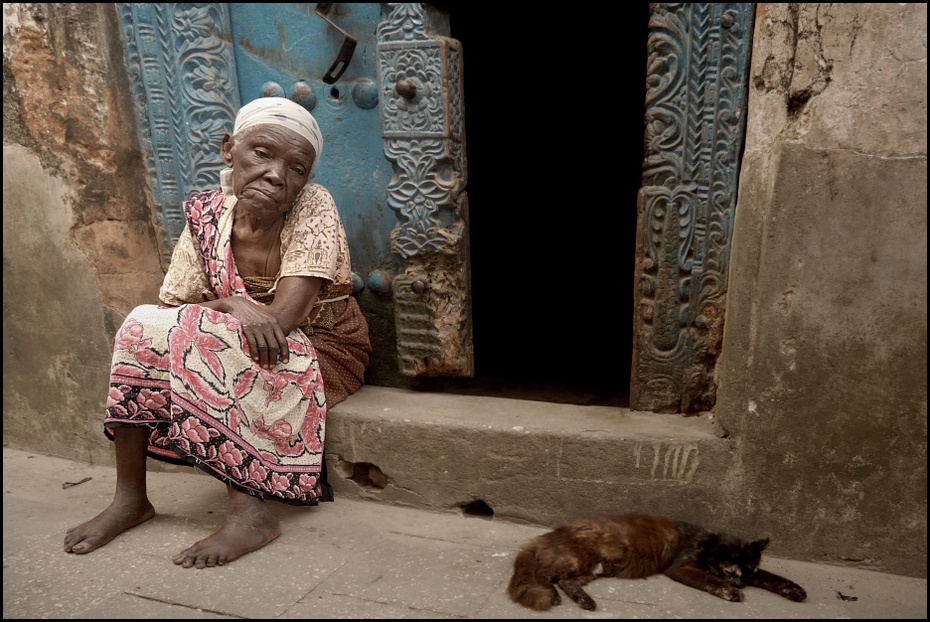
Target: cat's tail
x,y
527,587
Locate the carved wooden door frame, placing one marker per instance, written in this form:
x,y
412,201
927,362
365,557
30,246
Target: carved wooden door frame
x,y
423,130
696,91
183,81
182,76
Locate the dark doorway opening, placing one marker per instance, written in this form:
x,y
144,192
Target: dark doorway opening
x,y
554,108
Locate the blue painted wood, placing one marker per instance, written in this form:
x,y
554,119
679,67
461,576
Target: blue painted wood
x,y
697,74
181,72
289,44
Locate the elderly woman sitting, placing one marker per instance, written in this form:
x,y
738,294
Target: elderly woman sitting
x,y
256,337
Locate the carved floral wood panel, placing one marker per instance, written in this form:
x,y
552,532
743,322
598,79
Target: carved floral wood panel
x,y
420,74
183,82
698,57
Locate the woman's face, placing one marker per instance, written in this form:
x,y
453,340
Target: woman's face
x,y
270,166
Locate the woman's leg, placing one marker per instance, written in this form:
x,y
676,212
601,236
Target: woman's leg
x,y
250,525
130,505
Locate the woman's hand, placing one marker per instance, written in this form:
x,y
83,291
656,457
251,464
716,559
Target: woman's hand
x,y
265,327
261,330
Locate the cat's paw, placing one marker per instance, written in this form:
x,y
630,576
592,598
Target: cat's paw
x,y
587,603
731,594
794,592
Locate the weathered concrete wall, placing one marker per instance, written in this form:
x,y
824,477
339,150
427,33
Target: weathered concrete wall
x,y
78,240
823,376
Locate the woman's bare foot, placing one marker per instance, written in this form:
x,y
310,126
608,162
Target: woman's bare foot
x,y
113,521
250,526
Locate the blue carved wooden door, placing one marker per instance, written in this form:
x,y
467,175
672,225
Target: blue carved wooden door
x,y
384,83
285,50
394,159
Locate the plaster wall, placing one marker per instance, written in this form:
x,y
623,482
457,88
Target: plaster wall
x,y
78,241
823,373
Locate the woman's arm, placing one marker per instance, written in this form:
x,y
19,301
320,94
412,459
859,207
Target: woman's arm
x,y
266,327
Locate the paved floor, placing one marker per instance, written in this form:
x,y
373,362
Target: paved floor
x,y
348,559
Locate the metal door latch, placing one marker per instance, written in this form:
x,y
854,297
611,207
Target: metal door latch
x,y
345,52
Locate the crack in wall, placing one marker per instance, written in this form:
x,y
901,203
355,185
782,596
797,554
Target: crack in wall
x,y
799,67
811,71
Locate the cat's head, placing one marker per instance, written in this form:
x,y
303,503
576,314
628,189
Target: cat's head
x,y
733,560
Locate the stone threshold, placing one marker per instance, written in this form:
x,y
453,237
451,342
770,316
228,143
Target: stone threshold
x,y
522,460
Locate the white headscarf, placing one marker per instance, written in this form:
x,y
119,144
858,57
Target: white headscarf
x,y
284,112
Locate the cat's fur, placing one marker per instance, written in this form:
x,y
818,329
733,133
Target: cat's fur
x,y
634,546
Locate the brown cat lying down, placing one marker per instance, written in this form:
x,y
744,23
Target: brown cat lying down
x,y
632,546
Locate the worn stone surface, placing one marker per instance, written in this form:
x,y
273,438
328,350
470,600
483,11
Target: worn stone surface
x,y
823,375
350,559
526,460
53,328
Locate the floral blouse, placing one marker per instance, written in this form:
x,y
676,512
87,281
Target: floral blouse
x,y
313,243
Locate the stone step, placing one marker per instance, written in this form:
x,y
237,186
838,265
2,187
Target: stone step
x,y
524,461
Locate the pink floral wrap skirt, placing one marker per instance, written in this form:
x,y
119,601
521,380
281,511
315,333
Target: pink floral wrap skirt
x,y
185,372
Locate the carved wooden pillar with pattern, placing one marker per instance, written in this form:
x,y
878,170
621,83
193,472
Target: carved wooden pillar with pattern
x,y
698,59
420,76
183,81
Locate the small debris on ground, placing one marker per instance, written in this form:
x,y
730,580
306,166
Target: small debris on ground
x,y
70,484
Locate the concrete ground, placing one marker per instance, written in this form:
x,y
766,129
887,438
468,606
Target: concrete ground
x,y
347,559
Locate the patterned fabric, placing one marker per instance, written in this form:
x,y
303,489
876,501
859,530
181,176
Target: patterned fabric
x,y
339,332
321,316
313,243
186,372
343,351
